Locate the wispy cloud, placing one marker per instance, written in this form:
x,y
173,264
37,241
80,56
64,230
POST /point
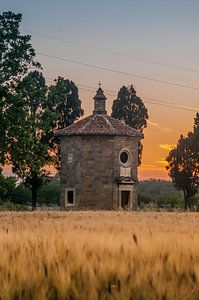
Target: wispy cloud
x,y
162,162
147,166
158,126
153,168
167,130
167,146
153,124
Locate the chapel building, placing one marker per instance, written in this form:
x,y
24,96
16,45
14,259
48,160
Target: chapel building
x,y
99,161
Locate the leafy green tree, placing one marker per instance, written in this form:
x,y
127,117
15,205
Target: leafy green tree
x,y
16,52
3,125
7,186
49,194
63,99
128,107
30,122
183,164
194,140
16,57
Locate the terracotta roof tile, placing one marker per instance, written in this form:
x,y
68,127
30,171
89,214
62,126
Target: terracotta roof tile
x,y
99,124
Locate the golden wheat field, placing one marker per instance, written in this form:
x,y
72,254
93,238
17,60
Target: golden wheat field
x,y
99,255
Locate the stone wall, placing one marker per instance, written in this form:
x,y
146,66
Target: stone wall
x,y
90,165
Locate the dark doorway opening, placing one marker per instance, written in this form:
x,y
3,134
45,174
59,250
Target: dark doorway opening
x,y
70,197
125,195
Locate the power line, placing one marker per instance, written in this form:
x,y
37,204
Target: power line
x,y
142,59
118,72
170,105
147,99
155,102
164,103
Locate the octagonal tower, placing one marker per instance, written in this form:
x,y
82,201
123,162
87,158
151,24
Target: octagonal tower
x,y
99,160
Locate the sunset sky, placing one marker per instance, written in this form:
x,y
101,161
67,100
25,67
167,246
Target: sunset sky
x,y
123,42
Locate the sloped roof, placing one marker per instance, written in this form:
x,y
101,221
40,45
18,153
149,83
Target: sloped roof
x,y
99,124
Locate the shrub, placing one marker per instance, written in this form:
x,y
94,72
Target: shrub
x,y
170,200
21,195
144,200
49,194
7,186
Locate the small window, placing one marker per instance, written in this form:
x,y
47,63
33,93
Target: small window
x,y
70,158
70,197
124,157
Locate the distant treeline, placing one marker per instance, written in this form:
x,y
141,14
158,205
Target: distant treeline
x,y
155,194
14,196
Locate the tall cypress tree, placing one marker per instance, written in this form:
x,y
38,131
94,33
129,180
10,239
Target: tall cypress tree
x,y
129,107
63,99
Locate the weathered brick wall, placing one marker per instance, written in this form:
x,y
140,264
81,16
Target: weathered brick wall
x,y
94,168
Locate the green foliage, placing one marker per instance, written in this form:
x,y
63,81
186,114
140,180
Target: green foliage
x,y
158,194
7,186
3,125
128,107
21,195
30,122
170,200
194,200
8,205
49,194
183,165
155,187
16,57
144,200
63,99
16,52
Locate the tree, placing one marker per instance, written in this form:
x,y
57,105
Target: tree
x,y
30,122
63,99
16,52
7,186
194,137
3,125
16,57
183,164
128,107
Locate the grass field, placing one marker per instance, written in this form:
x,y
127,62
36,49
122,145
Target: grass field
x,y
99,255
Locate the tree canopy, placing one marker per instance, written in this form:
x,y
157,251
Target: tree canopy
x,y
183,164
63,99
16,57
128,107
29,110
16,52
30,122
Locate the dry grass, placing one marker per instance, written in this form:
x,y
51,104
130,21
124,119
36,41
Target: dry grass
x,y
99,255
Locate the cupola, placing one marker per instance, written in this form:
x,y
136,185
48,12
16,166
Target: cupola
x,y
99,102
